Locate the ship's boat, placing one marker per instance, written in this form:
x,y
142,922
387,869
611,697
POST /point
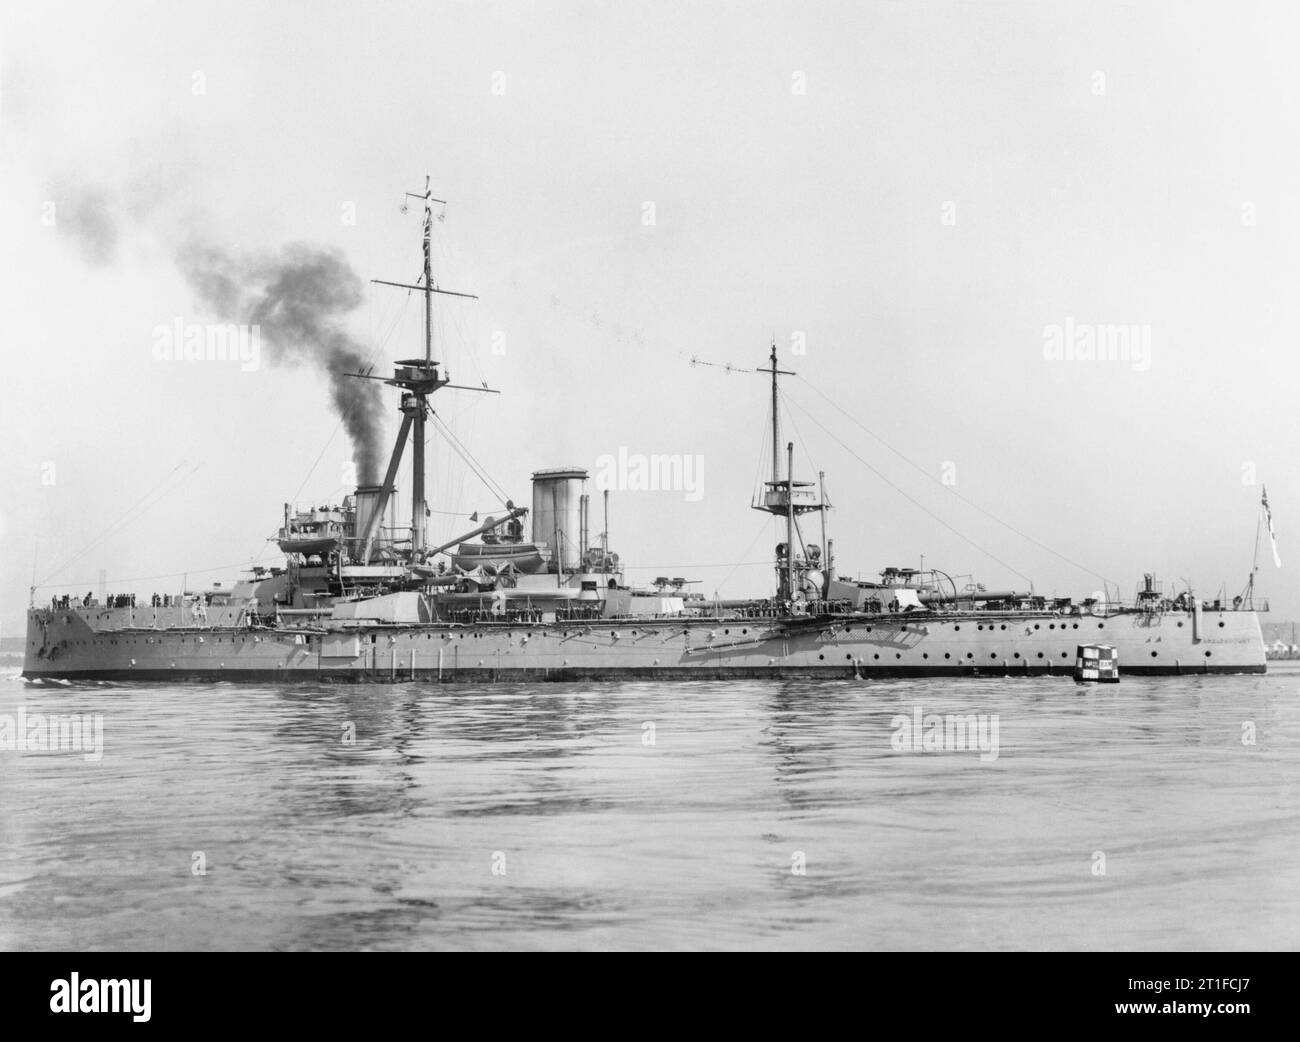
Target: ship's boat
x,y
523,558
313,532
309,544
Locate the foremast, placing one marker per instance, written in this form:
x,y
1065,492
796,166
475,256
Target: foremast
x,y
418,379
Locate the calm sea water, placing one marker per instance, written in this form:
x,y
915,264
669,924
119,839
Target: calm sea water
x,y
552,817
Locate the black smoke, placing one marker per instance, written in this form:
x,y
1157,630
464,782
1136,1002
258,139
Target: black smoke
x,y
298,298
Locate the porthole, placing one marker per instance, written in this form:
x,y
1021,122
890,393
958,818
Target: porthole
x,y
947,655
1017,654
1208,654
1063,654
993,654
969,655
875,656
1153,654
924,655
898,654
821,656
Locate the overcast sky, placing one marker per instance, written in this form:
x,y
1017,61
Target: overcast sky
x,y
921,196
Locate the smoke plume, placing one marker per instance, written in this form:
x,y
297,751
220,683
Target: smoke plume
x,y
299,297
91,219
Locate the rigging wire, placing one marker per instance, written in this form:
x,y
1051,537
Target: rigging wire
x,y
727,578
451,257
800,441
469,459
472,421
165,575
132,514
948,488
764,458
803,444
987,553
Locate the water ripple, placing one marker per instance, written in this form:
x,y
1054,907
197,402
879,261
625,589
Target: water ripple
x,y
637,815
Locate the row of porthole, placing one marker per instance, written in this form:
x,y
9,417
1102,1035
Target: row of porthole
x,y
847,629
897,654
980,626
947,654
971,655
613,633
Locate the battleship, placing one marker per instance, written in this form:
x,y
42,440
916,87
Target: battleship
x,y
536,594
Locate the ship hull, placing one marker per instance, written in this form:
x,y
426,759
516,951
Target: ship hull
x,y
80,645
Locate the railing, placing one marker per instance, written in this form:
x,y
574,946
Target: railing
x,y
478,616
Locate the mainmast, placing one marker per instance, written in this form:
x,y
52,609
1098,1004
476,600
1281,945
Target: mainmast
x,y
776,420
786,498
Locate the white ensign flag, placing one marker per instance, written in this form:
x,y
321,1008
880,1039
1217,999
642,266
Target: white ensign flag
x,y
1268,520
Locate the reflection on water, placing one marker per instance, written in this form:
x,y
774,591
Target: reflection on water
x,y
660,816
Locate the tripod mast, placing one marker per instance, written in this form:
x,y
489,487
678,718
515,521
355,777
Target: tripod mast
x,y
417,378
